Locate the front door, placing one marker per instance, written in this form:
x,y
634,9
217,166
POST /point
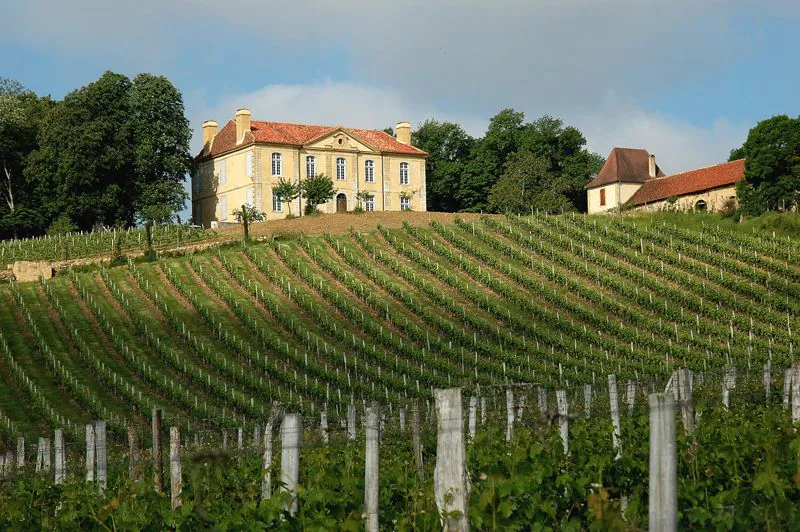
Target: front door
x,y
341,203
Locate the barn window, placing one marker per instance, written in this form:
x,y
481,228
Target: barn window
x,y
700,205
602,197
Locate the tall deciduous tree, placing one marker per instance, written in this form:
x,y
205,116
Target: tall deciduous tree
x,y
161,158
287,192
772,166
84,166
449,148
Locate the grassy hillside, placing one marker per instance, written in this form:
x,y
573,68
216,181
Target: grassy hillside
x,y
390,314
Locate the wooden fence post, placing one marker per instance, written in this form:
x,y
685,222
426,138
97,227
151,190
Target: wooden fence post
x,y
133,454
351,422
473,413
371,473
20,453
663,498
158,462
613,401
767,379
102,456
563,418
509,415
323,425
47,454
631,396
728,384
291,433
416,439
451,484
40,455
587,400
266,463
682,386
176,485
90,453
59,445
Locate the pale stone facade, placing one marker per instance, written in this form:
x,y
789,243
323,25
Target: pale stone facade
x,y
712,201
233,174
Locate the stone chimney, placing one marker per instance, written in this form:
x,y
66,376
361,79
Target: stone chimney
x,y
651,167
242,124
403,133
209,132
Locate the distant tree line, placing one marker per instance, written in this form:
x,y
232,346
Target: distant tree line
x,y
112,153
515,167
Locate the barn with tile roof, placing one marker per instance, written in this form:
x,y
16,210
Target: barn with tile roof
x,y
243,161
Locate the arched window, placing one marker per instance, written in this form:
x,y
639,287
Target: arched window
x,y
700,205
341,173
276,164
403,173
311,166
369,171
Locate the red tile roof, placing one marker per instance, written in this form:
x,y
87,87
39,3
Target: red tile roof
x,y
626,165
691,182
300,134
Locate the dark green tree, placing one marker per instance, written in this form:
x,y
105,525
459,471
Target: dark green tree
x,y
84,166
161,158
528,184
287,192
449,148
316,190
772,166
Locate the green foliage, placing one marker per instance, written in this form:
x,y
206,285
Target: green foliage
x,y
61,226
448,148
527,185
287,192
772,166
316,190
245,215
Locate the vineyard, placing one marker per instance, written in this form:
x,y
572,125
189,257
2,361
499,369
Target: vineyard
x,y
327,325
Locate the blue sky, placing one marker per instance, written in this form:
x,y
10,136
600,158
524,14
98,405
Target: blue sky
x,y
684,79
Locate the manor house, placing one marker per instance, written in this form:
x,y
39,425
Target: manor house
x,y
631,179
242,162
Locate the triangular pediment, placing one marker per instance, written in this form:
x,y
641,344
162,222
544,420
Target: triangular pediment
x,y
339,139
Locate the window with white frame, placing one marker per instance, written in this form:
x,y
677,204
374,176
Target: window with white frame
x,y
277,204
341,169
311,166
223,172
223,208
403,173
369,171
249,196
405,203
251,164
369,203
276,164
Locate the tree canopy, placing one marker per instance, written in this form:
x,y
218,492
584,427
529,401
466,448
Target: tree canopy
x,y
468,174
772,166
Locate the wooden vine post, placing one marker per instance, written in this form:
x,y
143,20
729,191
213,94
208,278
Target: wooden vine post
x,y
90,453
60,465
20,453
291,433
473,416
614,403
768,379
133,454
416,439
371,473
158,462
102,454
563,418
351,422
266,463
509,415
663,497
451,484
176,485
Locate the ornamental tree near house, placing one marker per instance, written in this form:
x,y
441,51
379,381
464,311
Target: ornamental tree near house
x,y
245,215
287,192
316,190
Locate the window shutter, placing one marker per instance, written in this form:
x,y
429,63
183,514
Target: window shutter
x,y
250,164
249,197
223,208
223,173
